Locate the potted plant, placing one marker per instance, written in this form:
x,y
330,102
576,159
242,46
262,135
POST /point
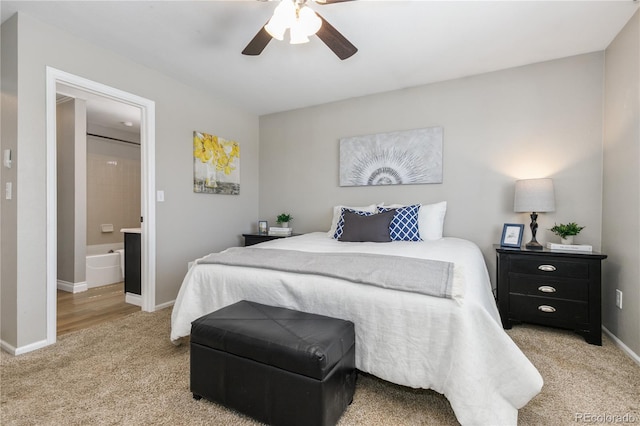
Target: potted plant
x,y
567,231
283,219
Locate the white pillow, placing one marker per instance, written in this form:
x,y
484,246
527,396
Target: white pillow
x,y
430,219
337,210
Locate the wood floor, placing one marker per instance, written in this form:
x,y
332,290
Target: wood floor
x,y
94,306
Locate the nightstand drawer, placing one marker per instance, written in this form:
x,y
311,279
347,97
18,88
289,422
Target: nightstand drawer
x,y
549,266
548,311
550,287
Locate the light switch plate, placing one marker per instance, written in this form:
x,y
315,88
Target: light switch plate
x,y
7,158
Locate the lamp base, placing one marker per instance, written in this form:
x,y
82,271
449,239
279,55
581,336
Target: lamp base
x,y
533,245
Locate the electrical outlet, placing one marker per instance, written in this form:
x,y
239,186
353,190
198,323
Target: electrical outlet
x,y
618,298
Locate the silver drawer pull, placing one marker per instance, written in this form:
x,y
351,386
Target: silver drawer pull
x,y
547,268
546,308
547,289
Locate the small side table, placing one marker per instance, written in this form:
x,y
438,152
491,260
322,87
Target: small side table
x,y
553,288
251,239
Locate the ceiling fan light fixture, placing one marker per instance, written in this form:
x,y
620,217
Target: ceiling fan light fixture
x,y
284,16
275,28
308,19
298,34
301,21
286,12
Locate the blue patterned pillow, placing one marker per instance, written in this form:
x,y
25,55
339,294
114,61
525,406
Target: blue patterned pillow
x,y
404,226
340,226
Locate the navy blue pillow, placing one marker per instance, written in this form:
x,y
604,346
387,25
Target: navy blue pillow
x,y
404,226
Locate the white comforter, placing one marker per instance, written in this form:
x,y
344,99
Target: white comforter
x,y
454,346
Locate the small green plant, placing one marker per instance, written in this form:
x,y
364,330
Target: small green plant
x,y
565,230
284,217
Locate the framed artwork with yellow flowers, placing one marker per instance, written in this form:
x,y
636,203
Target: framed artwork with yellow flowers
x,y
216,164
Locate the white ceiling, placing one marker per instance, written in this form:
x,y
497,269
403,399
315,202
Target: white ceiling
x,y
401,43
105,112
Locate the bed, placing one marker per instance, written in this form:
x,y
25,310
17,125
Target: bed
x,y
454,345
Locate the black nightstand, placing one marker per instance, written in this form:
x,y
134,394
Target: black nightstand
x,y
251,239
558,289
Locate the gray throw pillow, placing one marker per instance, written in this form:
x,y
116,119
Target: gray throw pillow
x,y
374,228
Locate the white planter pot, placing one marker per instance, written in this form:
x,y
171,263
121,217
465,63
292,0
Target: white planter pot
x,y
568,240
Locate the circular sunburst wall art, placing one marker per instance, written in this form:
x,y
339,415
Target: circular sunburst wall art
x,y
395,158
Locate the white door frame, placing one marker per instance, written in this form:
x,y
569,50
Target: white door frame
x,y
148,208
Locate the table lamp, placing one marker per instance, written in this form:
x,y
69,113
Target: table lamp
x,y
535,196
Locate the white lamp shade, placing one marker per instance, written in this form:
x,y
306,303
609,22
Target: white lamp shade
x,y
283,18
534,195
298,34
309,20
275,28
286,13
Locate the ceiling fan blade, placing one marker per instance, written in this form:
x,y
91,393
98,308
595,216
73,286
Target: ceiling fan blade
x,y
335,41
258,43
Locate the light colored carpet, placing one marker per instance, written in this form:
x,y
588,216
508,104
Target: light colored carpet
x,y
127,372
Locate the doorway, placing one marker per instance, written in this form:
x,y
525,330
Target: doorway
x,y
68,84
98,195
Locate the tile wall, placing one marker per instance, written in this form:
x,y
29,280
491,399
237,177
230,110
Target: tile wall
x,y
113,189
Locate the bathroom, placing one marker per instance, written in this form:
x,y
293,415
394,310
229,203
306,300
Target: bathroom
x,y
98,189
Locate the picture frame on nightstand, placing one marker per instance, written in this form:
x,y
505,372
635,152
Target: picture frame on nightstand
x,y
263,227
512,235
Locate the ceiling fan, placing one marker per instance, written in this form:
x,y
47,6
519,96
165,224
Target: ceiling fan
x,y
301,21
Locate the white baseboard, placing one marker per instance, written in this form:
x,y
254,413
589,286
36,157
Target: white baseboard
x,y
136,299
619,343
133,299
23,349
72,287
96,285
165,305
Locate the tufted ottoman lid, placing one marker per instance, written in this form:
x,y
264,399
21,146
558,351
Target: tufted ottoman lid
x,y
299,342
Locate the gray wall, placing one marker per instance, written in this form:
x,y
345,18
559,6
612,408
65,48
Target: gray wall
x,y
188,225
541,120
621,206
9,208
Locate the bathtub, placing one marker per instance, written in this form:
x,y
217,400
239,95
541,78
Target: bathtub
x,y
104,268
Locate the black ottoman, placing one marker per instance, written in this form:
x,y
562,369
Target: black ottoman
x,y
280,366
